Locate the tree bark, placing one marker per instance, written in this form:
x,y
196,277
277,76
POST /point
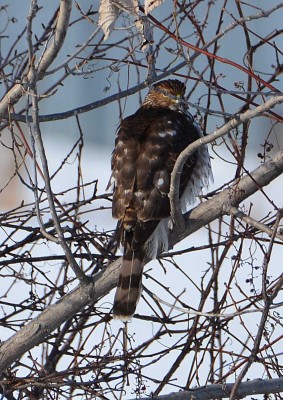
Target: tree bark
x,y
255,386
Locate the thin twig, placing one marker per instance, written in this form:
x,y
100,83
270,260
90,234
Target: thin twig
x,y
250,221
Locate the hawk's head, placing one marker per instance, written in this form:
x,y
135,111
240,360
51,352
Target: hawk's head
x,y
166,94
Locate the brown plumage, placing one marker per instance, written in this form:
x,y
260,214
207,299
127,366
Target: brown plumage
x,y
146,148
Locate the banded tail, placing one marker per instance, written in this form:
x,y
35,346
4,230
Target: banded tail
x,y
129,285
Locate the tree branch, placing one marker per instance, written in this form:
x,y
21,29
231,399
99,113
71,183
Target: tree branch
x,y
181,160
255,386
237,192
252,222
16,92
53,316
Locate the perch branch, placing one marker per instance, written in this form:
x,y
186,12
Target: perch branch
x,y
53,316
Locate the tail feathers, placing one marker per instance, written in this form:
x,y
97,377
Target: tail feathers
x,y
129,285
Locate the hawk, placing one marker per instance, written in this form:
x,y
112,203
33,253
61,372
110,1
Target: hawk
x,y
147,146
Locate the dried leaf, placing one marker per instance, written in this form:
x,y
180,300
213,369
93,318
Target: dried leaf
x,y
109,11
150,5
146,33
129,6
108,14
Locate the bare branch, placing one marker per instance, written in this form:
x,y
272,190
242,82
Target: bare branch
x,y
16,92
211,309
250,221
252,387
53,316
233,123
